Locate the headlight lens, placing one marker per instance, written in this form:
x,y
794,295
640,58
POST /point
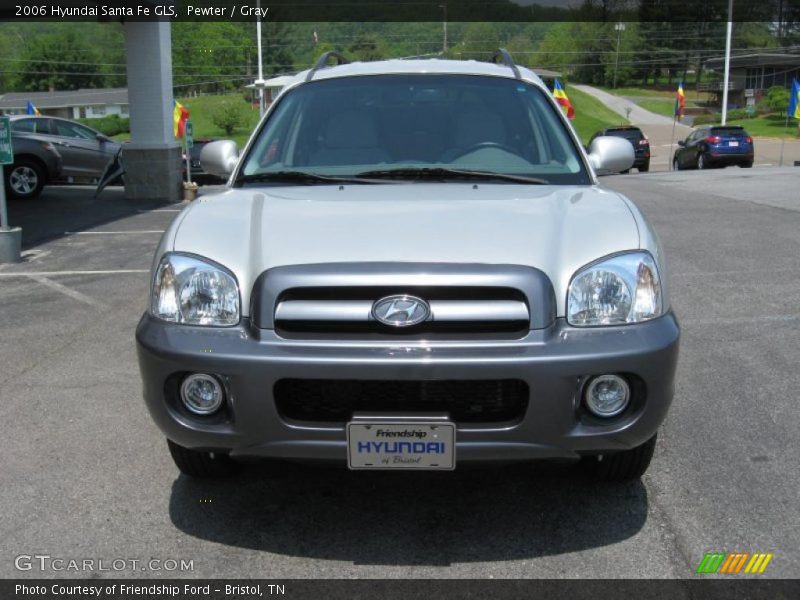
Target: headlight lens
x,y
623,289
194,292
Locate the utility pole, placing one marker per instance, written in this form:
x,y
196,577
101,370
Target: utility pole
x,y
727,75
619,28
444,27
260,81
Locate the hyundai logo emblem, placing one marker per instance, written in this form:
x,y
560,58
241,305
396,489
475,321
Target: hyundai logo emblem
x,y
401,311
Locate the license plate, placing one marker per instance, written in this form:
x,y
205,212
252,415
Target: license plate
x,y
425,446
733,144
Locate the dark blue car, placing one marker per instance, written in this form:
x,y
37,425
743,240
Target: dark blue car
x,y
715,147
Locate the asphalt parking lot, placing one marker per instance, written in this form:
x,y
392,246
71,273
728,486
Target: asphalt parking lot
x,y
87,475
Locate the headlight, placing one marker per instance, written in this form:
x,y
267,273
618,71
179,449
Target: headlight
x,y
194,292
622,289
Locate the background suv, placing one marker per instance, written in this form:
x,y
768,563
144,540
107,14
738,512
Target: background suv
x,y
715,147
637,138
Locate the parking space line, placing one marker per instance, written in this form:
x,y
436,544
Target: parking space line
x,y
68,291
58,273
134,232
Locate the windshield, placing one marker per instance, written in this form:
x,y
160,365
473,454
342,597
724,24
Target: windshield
x,y
434,125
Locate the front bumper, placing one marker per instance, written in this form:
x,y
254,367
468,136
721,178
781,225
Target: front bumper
x,y
554,362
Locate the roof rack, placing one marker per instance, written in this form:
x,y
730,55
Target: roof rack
x,y
503,54
323,60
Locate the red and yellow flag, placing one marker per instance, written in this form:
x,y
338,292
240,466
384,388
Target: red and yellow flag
x,y
680,101
561,97
179,117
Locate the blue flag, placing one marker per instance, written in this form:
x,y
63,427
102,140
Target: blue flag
x,y
794,100
32,110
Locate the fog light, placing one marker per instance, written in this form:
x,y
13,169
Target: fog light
x,y
607,395
202,394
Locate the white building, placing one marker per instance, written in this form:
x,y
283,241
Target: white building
x,y
72,104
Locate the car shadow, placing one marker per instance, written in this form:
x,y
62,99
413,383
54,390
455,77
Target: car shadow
x,y
410,519
60,209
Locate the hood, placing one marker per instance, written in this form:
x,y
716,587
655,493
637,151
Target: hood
x,y
557,229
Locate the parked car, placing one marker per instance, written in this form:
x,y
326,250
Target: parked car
x,y
637,138
715,147
413,267
85,152
36,163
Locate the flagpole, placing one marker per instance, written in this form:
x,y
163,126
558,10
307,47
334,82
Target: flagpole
x,y
783,138
671,142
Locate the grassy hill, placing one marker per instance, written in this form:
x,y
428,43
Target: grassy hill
x,y
591,115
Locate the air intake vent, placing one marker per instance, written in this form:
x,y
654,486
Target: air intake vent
x,y
467,401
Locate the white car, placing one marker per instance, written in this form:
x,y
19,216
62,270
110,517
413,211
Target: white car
x,y
413,266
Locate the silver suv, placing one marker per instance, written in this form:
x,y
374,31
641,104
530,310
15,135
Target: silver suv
x,y
412,267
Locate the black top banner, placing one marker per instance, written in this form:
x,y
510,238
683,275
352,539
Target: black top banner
x,y
404,10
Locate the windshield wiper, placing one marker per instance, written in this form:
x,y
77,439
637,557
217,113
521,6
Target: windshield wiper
x,y
440,173
300,177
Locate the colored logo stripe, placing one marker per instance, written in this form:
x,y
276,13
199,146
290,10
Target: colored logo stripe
x,y
711,562
732,562
758,563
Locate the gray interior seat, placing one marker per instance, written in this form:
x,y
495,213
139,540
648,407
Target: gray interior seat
x,y
350,137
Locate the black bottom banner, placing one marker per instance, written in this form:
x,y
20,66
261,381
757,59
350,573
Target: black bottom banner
x,y
399,589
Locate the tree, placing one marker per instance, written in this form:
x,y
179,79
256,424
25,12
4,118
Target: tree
x,y
59,61
229,116
777,99
366,47
479,42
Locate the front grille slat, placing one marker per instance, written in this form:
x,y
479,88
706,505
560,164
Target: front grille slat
x,y
454,311
466,401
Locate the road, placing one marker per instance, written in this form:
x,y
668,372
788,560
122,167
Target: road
x,y
663,141
87,475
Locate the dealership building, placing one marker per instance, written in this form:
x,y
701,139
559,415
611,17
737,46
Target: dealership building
x,y
751,75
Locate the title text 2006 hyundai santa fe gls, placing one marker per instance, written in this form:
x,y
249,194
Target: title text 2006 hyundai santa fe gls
x,y
412,267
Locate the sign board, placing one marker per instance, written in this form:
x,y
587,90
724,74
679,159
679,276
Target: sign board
x,y
188,134
6,152
749,93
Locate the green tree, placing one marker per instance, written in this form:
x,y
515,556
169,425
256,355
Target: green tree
x,y
777,99
366,47
229,116
479,42
59,61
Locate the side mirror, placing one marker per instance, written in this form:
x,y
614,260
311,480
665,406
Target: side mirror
x,y
103,138
681,143
219,158
608,154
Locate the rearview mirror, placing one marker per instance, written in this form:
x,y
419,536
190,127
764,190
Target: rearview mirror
x,y
608,154
219,158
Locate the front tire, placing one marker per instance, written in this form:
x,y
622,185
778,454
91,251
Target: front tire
x,y
621,466
25,179
676,165
195,463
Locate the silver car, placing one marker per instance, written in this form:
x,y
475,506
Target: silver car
x,y
413,267
85,152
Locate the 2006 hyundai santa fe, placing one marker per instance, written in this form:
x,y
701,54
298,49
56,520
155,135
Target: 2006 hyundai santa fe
x,y
412,267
